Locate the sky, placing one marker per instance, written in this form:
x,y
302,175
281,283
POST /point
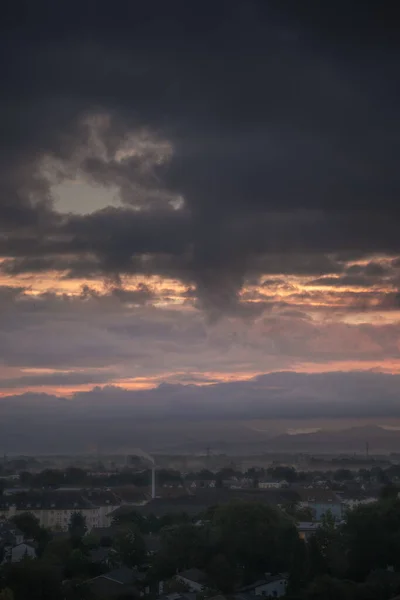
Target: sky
x,y
200,194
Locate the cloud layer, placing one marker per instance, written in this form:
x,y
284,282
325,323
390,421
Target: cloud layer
x,y
197,193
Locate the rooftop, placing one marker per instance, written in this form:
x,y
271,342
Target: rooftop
x,y
195,575
317,495
27,501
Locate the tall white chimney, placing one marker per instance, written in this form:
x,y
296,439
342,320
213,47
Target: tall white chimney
x,y
153,481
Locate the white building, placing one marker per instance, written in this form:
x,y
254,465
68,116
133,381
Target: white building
x,y
55,509
194,579
272,585
272,485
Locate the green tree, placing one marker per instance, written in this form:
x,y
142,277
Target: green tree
x,y
57,551
389,491
33,580
184,546
327,549
256,536
6,594
28,524
130,518
372,537
343,475
130,547
77,527
222,574
77,589
77,564
283,473
329,588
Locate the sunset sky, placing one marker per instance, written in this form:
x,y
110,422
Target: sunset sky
x,y
197,193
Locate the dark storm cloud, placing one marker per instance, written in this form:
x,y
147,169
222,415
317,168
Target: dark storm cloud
x,y
283,125
362,275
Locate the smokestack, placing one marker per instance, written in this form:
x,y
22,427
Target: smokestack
x,y
153,482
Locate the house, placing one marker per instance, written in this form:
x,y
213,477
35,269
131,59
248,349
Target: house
x,y
10,535
118,582
203,483
178,596
266,484
195,579
320,502
19,552
306,529
131,495
269,585
351,500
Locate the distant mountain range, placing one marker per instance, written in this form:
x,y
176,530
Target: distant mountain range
x,y
239,417
351,440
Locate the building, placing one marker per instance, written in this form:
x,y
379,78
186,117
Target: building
x,y
265,484
19,552
203,483
178,596
194,579
352,499
54,509
306,529
118,583
10,535
273,586
321,502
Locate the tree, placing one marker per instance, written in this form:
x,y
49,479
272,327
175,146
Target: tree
x,y
77,564
222,574
77,527
329,588
6,594
326,549
372,537
130,547
75,475
129,518
389,491
77,589
57,551
28,524
282,473
25,478
256,536
184,546
33,579
343,475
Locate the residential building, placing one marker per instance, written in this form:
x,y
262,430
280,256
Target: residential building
x,y
203,483
306,529
117,583
351,500
179,596
54,509
266,484
320,502
10,535
271,585
194,579
19,552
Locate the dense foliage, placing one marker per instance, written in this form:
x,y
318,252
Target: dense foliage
x,y
235,544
